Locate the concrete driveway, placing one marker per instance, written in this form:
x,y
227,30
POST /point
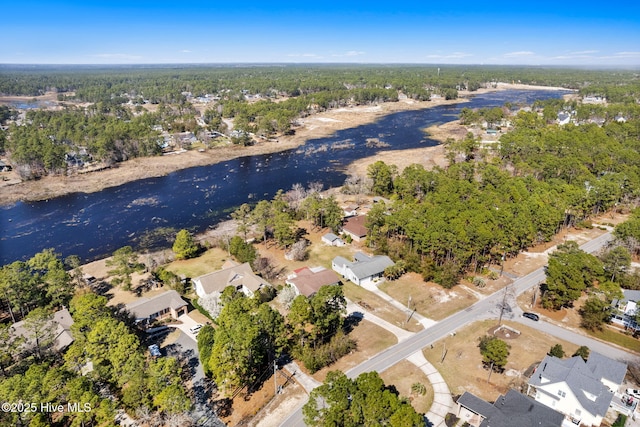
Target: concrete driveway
x,y
186,325
186,348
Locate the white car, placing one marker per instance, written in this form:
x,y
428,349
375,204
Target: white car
x,y
633,392
195,329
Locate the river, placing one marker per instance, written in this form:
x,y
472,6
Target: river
x,y
93,225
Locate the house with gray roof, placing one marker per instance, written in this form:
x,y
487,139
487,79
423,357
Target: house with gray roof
x,y
55,333
240,276
625,309
161,306
332,240
581,390
364,269
509,410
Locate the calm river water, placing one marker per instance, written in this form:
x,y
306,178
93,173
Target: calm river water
x,y
94,225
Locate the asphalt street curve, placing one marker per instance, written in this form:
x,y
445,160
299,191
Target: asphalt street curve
x,y
483,309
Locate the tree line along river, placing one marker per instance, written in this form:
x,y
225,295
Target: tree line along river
x,y
93,225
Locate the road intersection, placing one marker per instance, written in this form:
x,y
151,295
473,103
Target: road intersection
x,y
483,309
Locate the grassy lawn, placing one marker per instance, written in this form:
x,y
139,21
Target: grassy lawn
x,y
371,340
320,254
429,299
618,338
379,307
462,366
403,375
208,262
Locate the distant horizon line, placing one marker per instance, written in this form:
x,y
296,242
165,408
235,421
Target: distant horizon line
x,y
284,64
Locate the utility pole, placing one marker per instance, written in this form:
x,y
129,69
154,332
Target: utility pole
x,y
490,371
503,305
410,313
275,377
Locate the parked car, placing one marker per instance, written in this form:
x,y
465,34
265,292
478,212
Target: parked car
x,y
531,316
195,329
633,392
155,350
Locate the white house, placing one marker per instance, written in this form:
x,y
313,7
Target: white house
x,y
564,118
581,390
625,310
332,240
240,276
363,270
351,210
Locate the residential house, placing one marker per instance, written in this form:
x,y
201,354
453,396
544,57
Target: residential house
x,y
59,325
307,281
167,304
625,309
355,227
582,391
364,269
240,276
564,118
351,210
185,139
594,100
332,240
509,410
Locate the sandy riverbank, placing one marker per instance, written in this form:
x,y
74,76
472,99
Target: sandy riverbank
x,y
315,126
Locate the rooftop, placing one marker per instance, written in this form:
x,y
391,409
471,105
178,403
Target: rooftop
x,y
308,281
512,409
233,275
145,307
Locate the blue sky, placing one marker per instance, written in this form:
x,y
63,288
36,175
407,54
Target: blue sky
x,y
444,32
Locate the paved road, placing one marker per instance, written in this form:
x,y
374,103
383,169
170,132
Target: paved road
x,y
486,308
579,339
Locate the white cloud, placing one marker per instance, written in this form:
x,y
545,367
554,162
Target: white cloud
x,y
122,56
626,54
518,53
349,53
453,55
583,52
185,51
304,55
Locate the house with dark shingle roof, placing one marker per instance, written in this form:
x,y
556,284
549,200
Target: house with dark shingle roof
x,y
161,306
581,390
512,409
240,276
355,227
307,281
364,269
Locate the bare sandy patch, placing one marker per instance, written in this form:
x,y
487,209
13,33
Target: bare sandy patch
x,y
276,411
